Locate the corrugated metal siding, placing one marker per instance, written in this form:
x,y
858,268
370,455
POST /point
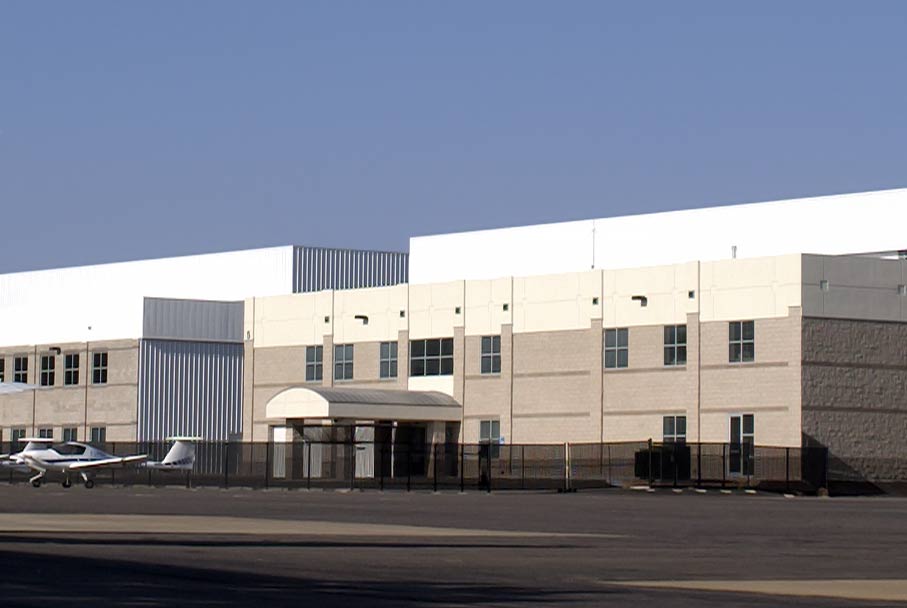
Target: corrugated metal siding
x,y
318,268
169,319
189,388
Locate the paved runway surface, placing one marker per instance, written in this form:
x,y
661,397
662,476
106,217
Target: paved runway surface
x,y
144,546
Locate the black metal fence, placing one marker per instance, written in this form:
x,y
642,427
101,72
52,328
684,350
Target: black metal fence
x,y
472,467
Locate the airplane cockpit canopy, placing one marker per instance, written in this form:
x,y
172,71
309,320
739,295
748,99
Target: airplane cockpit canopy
x,y
70,449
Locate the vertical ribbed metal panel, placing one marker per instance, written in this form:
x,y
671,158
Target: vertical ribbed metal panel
x,y
318,268
189,388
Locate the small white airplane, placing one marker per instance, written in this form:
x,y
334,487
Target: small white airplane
x,y
73,457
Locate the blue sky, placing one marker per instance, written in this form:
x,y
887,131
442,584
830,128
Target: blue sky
x,y
131,130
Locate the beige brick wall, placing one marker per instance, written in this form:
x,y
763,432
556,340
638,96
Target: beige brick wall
x,y
112,405
487,396
855,394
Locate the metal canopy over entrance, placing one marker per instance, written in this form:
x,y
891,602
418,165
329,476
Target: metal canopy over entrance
x,y
363,404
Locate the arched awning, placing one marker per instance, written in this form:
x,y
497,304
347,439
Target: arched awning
x,y
363,404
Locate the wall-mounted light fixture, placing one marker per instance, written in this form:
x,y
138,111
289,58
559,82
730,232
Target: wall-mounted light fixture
x,y
643,300
363,318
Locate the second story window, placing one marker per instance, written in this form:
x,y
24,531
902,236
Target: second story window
x,y
491,354
314,356
20,369
99,368
675,344
741,341
617,348
387,360
48,375
71,369
432,357
343,362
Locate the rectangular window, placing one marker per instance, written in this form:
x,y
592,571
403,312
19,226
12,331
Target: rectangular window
x,y
343,362
20,369
617,348
46,433
2,369
314,356
48,375
99,368
70,434
491,354
388,360
433,357
675,344
99,434
741,452
490,434
741,342
675,429
71,369
16,435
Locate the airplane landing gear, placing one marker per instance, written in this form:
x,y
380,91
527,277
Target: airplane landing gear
x,y
36,483
67,483
89,483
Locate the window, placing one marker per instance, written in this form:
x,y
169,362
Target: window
x,y
675,429
2,369
343,362
71,370
99,434
741,342
741,452
99,368
20,369
491,354
432,357
46,433
388,360
675,344
617,351
70,434
48,363
314,355
16,435
490,434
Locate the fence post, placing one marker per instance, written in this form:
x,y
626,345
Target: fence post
x,y
462,463
488,464
308,473
267,462
723,463
699,464
381,464
610,476
226,465
651,479
409,467
353,464
787,469
566,467
434,458
523,466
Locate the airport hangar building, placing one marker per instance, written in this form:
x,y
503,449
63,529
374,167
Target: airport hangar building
x,y
780,324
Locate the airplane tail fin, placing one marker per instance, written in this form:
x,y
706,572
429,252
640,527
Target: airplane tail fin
x,y
182,453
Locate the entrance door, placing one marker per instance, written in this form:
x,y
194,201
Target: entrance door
x,y
741,449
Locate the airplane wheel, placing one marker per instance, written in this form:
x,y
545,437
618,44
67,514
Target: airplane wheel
x,y
67,483
36,483
89,484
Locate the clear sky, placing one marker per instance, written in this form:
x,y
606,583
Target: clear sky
x,y
132,130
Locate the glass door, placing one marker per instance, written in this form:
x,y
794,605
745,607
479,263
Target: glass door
x,y
741,450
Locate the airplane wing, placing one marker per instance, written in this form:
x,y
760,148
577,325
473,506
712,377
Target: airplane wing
x,y
107,462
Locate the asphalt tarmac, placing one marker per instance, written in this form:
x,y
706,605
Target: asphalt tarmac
x,y
207,547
